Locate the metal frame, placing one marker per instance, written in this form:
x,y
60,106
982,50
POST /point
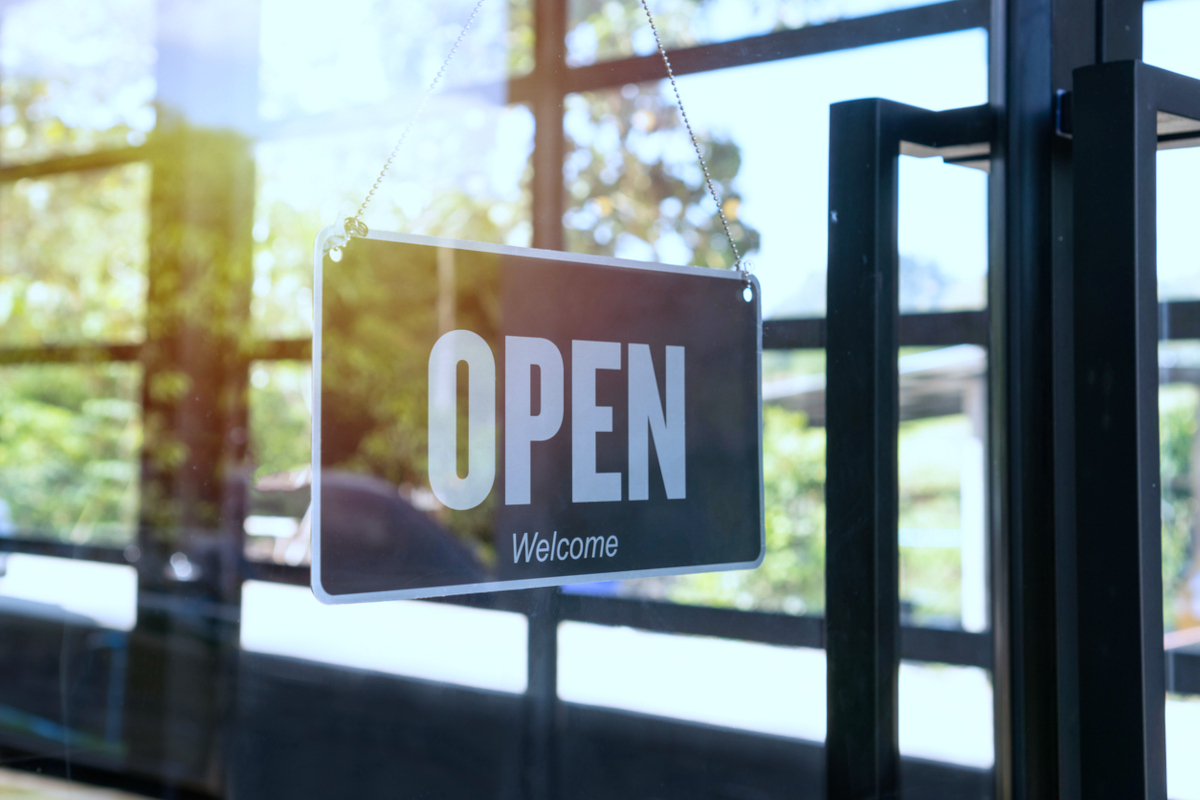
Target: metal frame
x,y
1117,497
862,574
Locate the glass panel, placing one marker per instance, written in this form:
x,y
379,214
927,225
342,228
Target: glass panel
x,y
943,236
474,647
635,188
68,590
277,525
465,174
945,711
791,579
73,257
75,76
307,67
70,439
603,30
1169,35
946,714
1178,208
943,486
1179,411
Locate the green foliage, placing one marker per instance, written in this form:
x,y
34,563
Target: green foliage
x,y
1177,442
69,442
636,190
791,578
930,486
280,428
73,257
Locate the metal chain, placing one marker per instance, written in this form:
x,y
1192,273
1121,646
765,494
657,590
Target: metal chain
x,y
354,225
737,258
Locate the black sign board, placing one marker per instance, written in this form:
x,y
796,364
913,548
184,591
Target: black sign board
x,y
489,417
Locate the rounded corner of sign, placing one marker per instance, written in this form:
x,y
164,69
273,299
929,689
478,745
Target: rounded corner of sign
x,y
324,597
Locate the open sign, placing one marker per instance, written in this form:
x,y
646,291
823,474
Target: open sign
x,y
491,418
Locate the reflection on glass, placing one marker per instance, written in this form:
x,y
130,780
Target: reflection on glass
x,y
73,257
70,438
75,76
463,173
277,523
630,168
318,56
791,579
603,30
943,558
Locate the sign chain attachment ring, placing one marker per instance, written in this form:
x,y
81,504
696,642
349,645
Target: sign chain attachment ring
x,y
739,265
354,225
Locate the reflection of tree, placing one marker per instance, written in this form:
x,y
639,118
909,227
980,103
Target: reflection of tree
x,y
73,257
635,186
78,76
69,437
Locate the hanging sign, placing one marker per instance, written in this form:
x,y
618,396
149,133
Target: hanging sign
x,y
490,417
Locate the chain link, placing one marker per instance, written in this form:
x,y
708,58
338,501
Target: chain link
x,y
662,51
354,225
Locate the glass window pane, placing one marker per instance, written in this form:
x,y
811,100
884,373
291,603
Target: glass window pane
x,y
1169,35
603,30
791,579
318,56
945,711
942,237
276,525
1178,208
943,486
75,76
635,189
464,173
70,442
73,253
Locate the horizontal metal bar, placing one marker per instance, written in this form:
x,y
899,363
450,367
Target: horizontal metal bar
x,y
908,23
794,334
59,354
280,350
277,350
101,159
45,547
1183,671
726,623
916,330
916,644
